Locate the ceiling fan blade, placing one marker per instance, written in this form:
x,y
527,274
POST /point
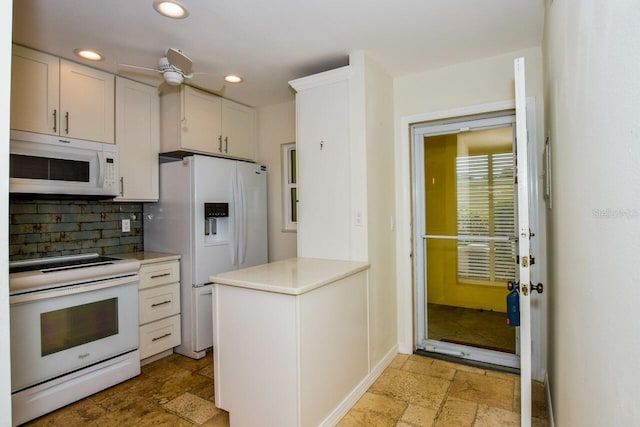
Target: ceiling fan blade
x,y
219,91
206,82
137,67
179,60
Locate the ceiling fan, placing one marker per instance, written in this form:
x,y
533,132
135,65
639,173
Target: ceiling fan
x,y
175,67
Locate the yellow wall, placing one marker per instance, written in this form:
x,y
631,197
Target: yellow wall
x,y
443,286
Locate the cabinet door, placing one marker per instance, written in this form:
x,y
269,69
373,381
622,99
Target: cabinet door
x,y
138,139
238,123
200,121
159,336
34,91
86,103
323,171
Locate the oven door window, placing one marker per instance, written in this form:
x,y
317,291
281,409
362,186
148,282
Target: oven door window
x,y
77,325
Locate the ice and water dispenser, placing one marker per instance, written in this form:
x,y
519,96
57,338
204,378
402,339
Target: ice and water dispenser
x,y
216,222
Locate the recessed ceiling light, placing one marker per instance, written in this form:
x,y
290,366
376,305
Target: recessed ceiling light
x,y
171,9
233,79
89,54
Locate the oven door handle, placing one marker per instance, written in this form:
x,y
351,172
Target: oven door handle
x,y
71,290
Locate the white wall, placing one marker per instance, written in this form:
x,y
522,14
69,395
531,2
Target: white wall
x,y
5,70
377,107
469,84
592,72
364,123
276,126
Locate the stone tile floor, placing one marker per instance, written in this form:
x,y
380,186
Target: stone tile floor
x,y
412,391
420,391
173,391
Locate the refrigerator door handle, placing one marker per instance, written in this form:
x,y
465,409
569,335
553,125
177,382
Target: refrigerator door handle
x,y
234,237
242,244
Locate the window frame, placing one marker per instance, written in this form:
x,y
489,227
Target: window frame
x,y
289,167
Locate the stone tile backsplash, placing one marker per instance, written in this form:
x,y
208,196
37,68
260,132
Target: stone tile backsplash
x,y
40,228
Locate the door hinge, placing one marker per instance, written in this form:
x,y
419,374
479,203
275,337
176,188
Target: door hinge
x,y
524,289
525,261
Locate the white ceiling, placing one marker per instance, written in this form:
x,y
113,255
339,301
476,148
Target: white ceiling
x,y
272,42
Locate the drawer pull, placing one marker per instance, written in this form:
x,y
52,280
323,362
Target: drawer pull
x,y
161,303
160,275
162,336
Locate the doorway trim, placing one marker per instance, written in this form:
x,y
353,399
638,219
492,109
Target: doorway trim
x,y
404,262
419,131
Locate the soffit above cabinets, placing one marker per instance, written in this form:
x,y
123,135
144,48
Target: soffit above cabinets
x,y
271,43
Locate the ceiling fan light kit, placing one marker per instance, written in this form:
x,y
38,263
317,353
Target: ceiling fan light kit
x,y
171,9
173,78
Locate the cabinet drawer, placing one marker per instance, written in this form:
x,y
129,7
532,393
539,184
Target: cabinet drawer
x,y
160,273
159,302
159,336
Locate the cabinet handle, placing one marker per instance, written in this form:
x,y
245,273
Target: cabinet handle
x,y
226,144
122,186
160,275
55,121
161,336
66,129
161,303
220,143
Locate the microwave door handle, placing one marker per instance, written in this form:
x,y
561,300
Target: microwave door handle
x,y
101,168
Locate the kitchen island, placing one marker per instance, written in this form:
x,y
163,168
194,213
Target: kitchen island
x,y
291,340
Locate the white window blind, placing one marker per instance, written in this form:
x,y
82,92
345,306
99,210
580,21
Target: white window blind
x,y
485,207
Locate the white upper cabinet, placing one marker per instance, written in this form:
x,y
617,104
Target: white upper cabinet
x,y
35,91
138,139
86,103
323,150
58,97
200,120
197,121
238,127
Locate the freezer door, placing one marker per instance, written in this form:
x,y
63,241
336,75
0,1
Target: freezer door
x,y
252,216
204,318
213,182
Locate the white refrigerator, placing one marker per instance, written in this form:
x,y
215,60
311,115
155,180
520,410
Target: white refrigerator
x,y
213,212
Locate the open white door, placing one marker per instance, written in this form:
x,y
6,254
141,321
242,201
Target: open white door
x,y
524,240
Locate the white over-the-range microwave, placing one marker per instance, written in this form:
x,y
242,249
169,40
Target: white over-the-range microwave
x,y
51,165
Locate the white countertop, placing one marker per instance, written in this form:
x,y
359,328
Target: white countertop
x,y
148,257
293,276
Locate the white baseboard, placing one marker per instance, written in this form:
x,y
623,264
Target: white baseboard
x,y
355,395
156,357
549,404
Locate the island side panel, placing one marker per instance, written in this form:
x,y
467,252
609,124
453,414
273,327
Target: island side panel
x,y
334,345
255,356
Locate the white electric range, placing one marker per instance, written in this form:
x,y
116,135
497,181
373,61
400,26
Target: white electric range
x,y
74,329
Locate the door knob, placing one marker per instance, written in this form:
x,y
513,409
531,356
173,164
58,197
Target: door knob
x,y
539,288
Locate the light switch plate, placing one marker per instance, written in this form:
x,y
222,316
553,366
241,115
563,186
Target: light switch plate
x,y
126,225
